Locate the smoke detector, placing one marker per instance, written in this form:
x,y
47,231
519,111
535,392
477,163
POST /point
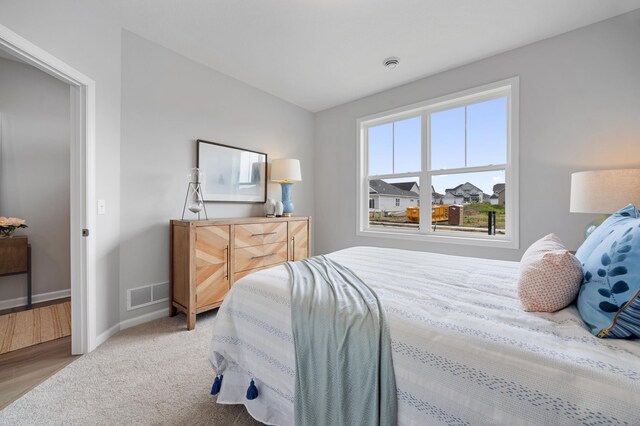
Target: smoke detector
x,y
391,62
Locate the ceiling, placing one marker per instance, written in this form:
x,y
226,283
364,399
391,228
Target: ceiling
x,y
322,53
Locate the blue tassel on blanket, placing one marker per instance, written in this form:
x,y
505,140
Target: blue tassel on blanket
x,y
252,391
217,384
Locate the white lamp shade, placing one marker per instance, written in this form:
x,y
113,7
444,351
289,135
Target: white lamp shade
x,y
604,191
286,170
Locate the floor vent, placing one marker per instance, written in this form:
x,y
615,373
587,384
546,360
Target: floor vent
x,y
147,295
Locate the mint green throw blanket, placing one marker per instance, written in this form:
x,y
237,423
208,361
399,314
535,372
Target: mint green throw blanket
x,y
344,369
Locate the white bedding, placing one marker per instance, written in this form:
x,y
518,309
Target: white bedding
x,y
464,351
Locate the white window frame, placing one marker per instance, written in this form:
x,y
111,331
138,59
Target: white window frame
x,y
508,88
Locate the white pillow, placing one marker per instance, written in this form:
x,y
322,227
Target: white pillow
x,y
550,276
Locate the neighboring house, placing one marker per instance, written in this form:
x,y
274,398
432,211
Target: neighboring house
x,y
435,197
450,198
414,187
465,193
498,195
408,186
389,197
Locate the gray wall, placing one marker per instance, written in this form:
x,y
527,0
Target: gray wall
x,y
86,35
168,102
34,172
579,110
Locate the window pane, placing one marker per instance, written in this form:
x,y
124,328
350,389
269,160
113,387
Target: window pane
x,y
407,136
463,202
487,133
393,203
381,149
447,139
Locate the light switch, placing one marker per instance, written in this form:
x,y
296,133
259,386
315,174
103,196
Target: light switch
x,y
102,206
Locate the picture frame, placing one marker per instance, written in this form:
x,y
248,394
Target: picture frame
x,y
232,174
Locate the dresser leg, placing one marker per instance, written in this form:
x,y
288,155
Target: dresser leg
x,y
191,321
173,311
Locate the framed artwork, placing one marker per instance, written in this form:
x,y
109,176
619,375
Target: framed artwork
x,y
232,175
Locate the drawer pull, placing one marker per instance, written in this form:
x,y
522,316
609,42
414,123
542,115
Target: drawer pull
x,y
264,255
263,233
226,269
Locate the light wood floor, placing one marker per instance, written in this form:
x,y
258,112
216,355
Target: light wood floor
x,y
23,369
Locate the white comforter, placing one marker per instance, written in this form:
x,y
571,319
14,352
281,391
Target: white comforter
x,y
464,351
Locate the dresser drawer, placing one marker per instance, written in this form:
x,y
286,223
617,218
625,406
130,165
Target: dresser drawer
x,y
256,234
243,274
259,256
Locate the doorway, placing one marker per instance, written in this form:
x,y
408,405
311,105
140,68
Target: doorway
x,y
82,183
34,206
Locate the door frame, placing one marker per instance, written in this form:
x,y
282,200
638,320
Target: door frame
x,y
82,184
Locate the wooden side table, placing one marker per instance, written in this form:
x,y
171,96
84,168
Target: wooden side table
x,y
15,258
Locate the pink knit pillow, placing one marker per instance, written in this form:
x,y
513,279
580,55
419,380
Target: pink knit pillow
x,y
550,276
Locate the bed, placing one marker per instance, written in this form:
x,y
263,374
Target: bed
x,y
464,351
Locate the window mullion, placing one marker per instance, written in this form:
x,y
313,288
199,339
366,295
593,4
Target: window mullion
x,y
393,147
465,136
425,178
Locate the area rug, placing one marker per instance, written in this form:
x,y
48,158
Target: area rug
x,y
27,328
154,374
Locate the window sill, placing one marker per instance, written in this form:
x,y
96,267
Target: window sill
x,y
441,238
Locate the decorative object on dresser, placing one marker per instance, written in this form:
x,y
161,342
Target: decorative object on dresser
x,y
194,192
208,256
270,207
232,174
286,171
603,192
15,258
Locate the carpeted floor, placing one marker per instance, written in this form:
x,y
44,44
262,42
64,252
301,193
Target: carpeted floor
x,y
154,374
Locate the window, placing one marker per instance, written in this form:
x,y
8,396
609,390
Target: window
x,y
457,154
371,203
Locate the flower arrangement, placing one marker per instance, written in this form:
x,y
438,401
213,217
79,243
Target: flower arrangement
x,y
8,226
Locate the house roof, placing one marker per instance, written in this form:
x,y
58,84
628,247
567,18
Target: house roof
x,y
434,193
462,184
405,186
498,187
378,186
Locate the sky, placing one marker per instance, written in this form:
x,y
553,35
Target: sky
x,y
396,148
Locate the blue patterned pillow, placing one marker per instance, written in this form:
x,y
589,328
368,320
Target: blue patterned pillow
x,y
601,232
609,298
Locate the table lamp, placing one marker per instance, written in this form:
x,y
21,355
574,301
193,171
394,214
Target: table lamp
x,y
604,192
194,191
286,171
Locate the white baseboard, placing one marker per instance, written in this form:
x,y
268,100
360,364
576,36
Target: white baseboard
x,y
36,298
102,337
160,313
123,325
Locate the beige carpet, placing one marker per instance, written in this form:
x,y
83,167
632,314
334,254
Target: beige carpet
x,y
154,374
27,328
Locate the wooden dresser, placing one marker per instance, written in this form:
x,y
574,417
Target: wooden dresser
x,y
208,256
